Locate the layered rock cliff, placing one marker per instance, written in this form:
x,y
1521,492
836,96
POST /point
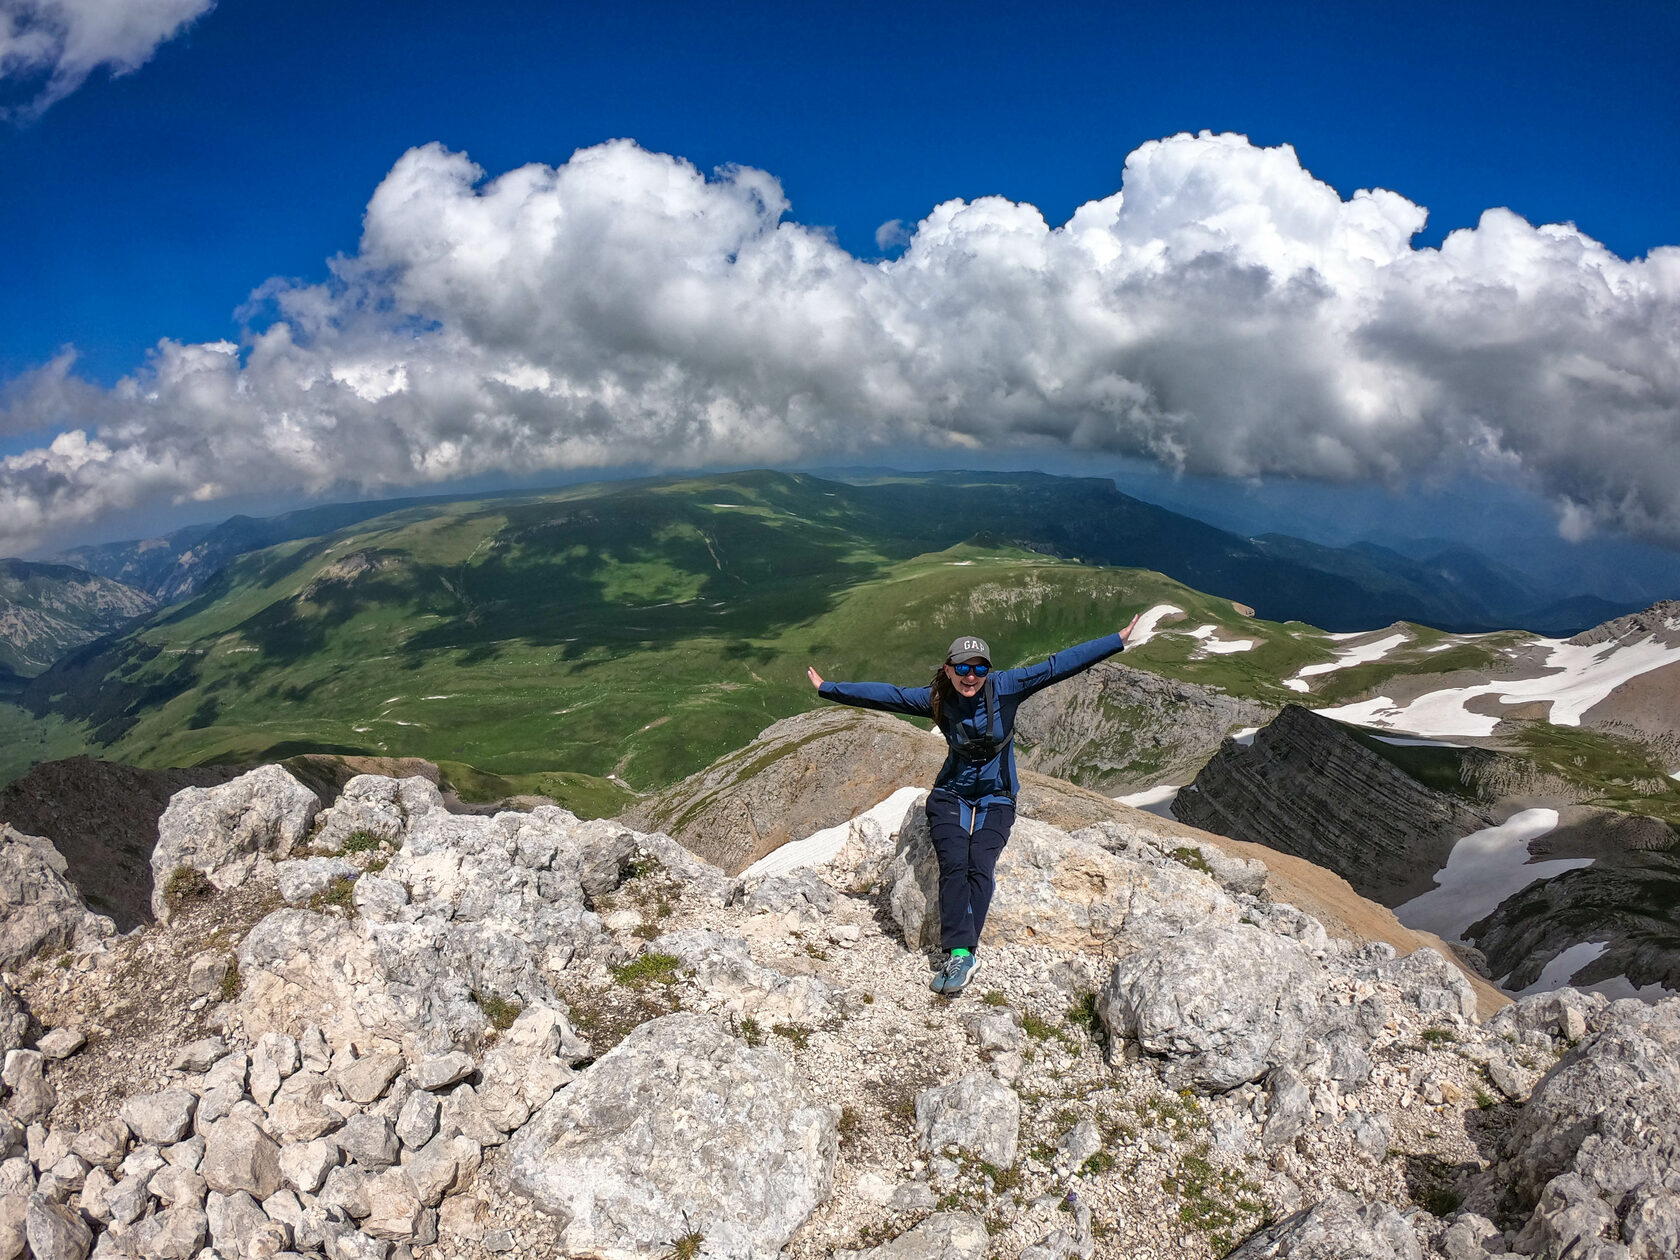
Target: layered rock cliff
x,y
1306,786
1117,729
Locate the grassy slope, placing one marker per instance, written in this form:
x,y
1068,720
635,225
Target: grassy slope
x,y
639,631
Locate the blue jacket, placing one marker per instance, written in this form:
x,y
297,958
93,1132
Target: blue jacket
x,y
980,768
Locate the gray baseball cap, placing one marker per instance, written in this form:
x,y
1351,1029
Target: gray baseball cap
x,y
966,646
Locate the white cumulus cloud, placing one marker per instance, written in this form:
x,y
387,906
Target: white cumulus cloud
x,y
59,43
1224,313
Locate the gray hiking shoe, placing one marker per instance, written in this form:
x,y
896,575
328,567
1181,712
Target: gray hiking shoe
x,y
955,974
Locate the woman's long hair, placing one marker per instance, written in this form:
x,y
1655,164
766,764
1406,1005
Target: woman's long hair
x,y
942,691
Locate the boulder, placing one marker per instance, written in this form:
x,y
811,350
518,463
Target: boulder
x,y
1223,1004
376,806
222,830
366,1079
1338,1228
1053,889
679,1128
1592,1153
976,1113
40,909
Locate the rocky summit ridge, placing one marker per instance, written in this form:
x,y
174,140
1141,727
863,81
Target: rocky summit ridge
x,y
384,1030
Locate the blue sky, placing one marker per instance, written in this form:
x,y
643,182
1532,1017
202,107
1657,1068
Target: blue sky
x,y
152,204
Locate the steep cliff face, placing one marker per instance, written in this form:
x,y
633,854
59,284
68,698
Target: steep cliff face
x,y
1308,787
1117,729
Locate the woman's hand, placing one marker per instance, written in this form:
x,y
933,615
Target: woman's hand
x,y
1126,634
816,678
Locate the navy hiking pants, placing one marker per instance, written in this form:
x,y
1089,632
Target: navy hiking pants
x,y
967,841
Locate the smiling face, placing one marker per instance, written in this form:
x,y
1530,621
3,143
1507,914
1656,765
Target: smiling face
x,y
968,687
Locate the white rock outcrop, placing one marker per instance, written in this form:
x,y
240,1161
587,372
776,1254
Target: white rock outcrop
x,y
679,1129
221,831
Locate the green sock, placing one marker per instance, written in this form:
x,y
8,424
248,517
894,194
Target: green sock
x,y
961,953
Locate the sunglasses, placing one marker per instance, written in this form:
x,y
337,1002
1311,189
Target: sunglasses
x,y
963,671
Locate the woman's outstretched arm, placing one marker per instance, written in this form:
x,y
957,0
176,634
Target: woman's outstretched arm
x,y
1066,663
914,701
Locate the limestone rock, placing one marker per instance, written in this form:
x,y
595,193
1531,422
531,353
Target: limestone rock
x,y
442,1070
1053,889
40,908
1223,1003
55,1232
222,830
163,1117
679,1128
234,1221
945,1236
240,1156
418,1119
198,1056
368,1140
723,967
14,1217
366,1078
32,1096
303,878
14,1020
305,1165
60,1043
976,1113
376,805
1593,1151
175,1233
1338,1228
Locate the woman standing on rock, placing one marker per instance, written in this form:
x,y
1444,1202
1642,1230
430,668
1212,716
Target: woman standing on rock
x,y
972,805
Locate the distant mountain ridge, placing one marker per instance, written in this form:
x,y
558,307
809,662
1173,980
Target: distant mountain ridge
x,y
1338,588
47,610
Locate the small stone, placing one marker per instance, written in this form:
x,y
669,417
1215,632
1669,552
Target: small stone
x,y
418,1120
498,1240
316,1055
442,1070
55,1232
366,1079
160,1118
240,1156
32,1097
198,1056
175,1233
305,1165
127,1201
369,1140
61,1043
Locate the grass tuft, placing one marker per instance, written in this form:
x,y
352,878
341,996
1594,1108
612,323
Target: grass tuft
x,y
498,1010
647,969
